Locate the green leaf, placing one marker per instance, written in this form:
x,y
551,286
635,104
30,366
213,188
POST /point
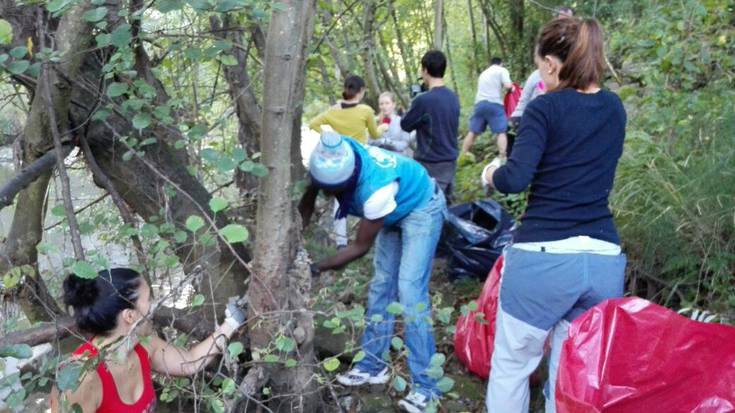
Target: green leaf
x,y
197,301
116,89
228,60
194,222
18,67
141,120
3,58
19,351
217,405
437,360
6,32
68,376
18,52
445,384
210,155
218,204
226,164
101,114
197,132
394,308
285,344
291,363
58,211
396,343
234,233
229,5
358,357
331,364
121,36
399,383
434,372
180,236
95,15
376,318
472,306
228,386
83,269
270,358
56,5
11,279
165,6
259,170
103,39
235,349
148,141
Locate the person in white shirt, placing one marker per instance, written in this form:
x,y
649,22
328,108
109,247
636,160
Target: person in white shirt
x,y
489,108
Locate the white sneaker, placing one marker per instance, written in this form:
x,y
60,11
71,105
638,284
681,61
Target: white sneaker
x,y
414,403
355,377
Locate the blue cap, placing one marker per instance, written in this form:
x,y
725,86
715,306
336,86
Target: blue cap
x,y
333,160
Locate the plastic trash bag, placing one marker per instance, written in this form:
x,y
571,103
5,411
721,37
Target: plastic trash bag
x,y
475,332
630,355
474,236
511,99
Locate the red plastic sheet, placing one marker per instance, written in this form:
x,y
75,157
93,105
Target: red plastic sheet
x,y
511,99
630,355
474,336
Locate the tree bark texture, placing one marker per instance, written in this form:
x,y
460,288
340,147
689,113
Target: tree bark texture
x,y
438,24
368,48
280,286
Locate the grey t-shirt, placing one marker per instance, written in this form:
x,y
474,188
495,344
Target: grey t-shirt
x,y
490,85
531,90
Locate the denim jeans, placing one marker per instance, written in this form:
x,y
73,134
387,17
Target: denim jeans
x,y
541,293
403,262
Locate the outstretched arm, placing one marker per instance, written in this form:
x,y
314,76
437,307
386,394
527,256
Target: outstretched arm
x,y
366,234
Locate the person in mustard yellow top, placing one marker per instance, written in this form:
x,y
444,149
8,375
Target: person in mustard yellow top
x,y
349,117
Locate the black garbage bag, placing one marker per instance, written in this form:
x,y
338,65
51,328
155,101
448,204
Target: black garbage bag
x,y
474,236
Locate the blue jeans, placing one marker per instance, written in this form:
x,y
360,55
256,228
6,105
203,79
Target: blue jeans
x,y
403,262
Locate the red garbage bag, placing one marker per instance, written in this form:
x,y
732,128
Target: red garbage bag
x,y
511,99
474,335
630,355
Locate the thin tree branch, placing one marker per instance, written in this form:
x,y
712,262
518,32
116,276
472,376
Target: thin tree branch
x,y
76,239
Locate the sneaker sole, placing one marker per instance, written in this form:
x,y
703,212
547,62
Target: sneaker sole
x,y
409,408
369,381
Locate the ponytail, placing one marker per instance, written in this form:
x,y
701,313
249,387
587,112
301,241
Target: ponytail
x,y
578,43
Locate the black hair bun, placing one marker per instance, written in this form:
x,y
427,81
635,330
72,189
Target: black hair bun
x,y
80,292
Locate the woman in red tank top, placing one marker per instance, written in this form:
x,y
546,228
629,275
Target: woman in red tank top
x,y
113,308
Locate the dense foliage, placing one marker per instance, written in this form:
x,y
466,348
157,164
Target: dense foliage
x,y
673,65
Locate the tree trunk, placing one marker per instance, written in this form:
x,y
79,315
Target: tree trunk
x,y
475,57
368,47
517,36
26,229
281,282
408,66
438,24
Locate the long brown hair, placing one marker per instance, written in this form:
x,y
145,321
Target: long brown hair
x,y
579,44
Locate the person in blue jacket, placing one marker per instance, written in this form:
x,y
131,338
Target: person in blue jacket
x,y
401,211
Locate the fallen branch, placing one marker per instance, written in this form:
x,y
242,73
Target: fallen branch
x,y
29,174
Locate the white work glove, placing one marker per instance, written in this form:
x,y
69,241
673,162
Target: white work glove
x,y
235,315
496,163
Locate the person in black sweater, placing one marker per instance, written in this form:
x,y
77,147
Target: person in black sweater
x,y
565,256
434,115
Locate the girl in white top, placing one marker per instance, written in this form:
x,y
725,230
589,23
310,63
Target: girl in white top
x,y
394,138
